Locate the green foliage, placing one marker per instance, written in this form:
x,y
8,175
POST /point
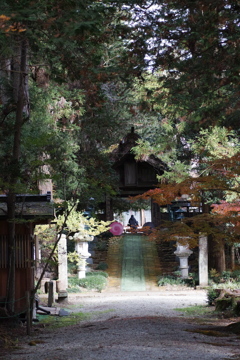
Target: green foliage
x,y
236,275
47,238
169,280
73,281
72,268
226,276
215,142
55,322
124,205
212,294
196,310
198,65
74,258
214,275
191,121
93,273
101,245
192,280
75,221
229,280
93,281
175,279
102,266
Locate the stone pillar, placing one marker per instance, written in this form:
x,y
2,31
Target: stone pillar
x,y
183,253
62,264
142,217
203,260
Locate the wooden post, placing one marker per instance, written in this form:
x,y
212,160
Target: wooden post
x,y
50,293
28,313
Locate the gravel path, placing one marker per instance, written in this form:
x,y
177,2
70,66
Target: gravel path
x,y
129,326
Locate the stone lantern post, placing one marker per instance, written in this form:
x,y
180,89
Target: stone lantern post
x,y
81,246
183,252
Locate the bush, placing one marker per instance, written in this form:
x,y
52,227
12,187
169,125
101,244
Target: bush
x,y
93,282
170,280
214,276
72,268
226,275
73,285
101,245
175,279
192,280
92,273
73,281
212,294
102,266
236,275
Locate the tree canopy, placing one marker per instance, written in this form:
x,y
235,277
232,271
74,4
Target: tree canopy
x,y
76,75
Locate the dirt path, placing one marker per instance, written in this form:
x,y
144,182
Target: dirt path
x,y
128,326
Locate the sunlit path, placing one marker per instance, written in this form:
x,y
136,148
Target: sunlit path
x,y
133,264
133,277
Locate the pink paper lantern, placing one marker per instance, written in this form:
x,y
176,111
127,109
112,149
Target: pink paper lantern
x,y
116,228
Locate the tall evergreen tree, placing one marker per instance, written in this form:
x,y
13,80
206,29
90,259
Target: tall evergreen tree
x,y
44,43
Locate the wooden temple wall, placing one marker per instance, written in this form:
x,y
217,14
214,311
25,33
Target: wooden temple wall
x,y
24,265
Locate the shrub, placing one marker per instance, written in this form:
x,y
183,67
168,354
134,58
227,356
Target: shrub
x,y
212,294
102,266
176,279
214,276
170,280
92,273
74,289
73,285
101,245
236,275
73,281
226,275
93,282
192,280
72,268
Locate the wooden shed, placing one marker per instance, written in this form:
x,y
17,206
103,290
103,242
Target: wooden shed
x,y
32,210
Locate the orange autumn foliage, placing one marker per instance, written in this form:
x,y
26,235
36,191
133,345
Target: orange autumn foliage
x,y
6,27
223,223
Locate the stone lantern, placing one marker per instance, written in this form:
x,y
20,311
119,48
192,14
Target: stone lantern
x,y
81,246
183,252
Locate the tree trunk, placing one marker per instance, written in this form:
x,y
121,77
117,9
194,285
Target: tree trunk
x,y
217,258
216,252
20,95
10,298
232,258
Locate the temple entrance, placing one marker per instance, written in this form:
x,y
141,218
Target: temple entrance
x,y
135,176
